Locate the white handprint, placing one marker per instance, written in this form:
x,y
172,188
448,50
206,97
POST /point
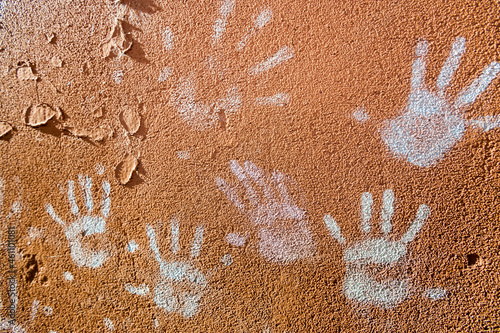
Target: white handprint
x,y
181,286
85,225
284,233
431,124
202,113
374,255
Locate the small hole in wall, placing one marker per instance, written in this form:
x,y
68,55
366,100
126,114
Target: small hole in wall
x,y
472,259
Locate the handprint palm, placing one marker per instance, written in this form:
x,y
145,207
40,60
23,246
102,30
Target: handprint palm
x,y
84,225
359,284
431,124
284,234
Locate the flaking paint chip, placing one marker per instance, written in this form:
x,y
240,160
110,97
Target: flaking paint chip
x,y
125,169
117,42
55,61
98,134
40,114
130,119
5,128
26,73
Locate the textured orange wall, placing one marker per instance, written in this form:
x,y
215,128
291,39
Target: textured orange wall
x,y
174,123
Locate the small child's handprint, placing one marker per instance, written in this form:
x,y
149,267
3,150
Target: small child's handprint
x,y
431,124
84,225
284,233
368,257
181,285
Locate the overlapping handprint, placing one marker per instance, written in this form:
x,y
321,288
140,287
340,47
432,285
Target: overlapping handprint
x,y
283,226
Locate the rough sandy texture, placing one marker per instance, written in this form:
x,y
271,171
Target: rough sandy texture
x,y
293,99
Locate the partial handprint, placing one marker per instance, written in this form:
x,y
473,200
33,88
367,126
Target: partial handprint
x,y
180,286
283,227
85,225
367,258
431,124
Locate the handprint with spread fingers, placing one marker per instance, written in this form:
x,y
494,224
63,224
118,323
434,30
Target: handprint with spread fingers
x,y
431,124
365,259
84,225
283,226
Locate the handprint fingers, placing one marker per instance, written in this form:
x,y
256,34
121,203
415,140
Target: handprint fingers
x,y
366,211
86,185
239,172
72,198
150,232
197,242
418,70
174,228
469,94
106,200
230,193
54,216
451,64
259,177
422,214
334,229
387,211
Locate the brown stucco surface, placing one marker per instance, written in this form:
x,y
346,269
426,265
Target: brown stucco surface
x,y
347,54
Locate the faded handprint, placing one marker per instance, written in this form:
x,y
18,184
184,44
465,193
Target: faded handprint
x,y
191,101
431,124
283,227
372,256
180,286
84,225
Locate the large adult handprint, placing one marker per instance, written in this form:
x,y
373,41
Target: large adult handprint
x,y
431,123
84,225
283,227
367,259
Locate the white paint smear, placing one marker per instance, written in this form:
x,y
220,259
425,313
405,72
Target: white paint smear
x,y
165,74
142,290
431,124
227,259
486,123
281,56
100,169
174,229
68,276
183,155
334,229
47,310
168,39
117,76
132,246
361,115
280,99
236,239
109,324
435,294
34,309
